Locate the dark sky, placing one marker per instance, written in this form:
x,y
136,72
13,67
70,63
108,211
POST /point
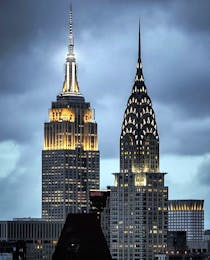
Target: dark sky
x,y
175,39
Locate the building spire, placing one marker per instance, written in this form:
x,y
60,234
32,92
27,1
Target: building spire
x,y
71,38
70,85
139,128
139,72
139,50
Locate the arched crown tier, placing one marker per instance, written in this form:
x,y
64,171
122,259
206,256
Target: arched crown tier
x,y
139,140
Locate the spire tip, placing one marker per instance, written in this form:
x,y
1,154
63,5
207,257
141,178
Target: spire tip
x,y
139,50
71,38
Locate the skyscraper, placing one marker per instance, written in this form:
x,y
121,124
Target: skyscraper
x,y
138,199
70,158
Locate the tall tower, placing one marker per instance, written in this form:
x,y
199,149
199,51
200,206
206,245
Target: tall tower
x,y
138,199
70,157
139,140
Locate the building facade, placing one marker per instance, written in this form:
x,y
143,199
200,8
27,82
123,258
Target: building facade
x,y
40,237
70,158
138,199
187,215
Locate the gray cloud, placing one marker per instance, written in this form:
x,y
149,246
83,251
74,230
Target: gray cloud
x,y
176,68
175,51
203,173
20,188
192,16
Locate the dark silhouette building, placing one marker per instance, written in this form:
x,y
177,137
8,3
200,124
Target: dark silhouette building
x,y
82,238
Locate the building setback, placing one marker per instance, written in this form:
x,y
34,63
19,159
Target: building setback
x,y
70,158
138,199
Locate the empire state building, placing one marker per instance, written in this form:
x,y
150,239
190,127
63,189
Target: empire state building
x,y
70,157
138,199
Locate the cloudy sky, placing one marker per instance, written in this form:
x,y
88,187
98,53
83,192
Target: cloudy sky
x,y
175,38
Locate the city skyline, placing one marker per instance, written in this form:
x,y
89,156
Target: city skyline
x,y
113,38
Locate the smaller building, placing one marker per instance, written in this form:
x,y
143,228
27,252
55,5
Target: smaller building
x,y
178,249
100,204
187,215
198,247
207,238
39,236
207,234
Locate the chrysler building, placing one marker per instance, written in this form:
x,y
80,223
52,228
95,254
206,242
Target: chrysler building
x,y
138,200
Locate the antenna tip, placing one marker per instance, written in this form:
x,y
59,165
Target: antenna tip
x,y
139,49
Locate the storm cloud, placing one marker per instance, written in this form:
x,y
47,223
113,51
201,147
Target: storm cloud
x,y
175,38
